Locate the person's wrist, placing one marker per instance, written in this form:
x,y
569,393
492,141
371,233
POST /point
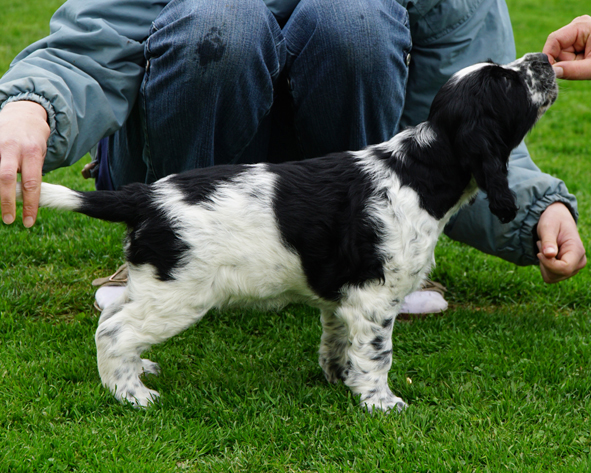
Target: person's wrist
x,y
26,106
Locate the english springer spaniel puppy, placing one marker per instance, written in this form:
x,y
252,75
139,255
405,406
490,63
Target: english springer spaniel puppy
x,y
351,233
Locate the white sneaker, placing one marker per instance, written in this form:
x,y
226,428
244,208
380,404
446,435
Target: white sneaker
x,y
423,302
107,295
428,300
111,288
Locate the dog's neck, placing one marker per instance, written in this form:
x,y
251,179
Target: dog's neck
x,y
423,160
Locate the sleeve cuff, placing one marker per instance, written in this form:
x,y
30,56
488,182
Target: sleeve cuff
x,y
31,97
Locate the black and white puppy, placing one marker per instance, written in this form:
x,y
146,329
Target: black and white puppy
x,y
351,233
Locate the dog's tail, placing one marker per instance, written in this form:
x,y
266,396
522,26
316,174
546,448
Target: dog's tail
x,y
112,206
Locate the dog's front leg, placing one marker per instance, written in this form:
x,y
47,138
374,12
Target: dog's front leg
x,y
369,357
333,347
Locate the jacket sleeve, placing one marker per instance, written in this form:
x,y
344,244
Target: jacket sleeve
x,y
514,241
447,36
86,73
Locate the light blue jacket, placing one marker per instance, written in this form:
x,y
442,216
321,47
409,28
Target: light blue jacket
x,y
88,71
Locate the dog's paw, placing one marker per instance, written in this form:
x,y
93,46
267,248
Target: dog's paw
x,y
385,403
139,396
150,367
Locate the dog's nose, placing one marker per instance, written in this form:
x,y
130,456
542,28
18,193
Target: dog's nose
x,y
542,57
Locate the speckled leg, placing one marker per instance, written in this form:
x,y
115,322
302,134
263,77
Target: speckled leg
x,y
369,358
333,347
123,336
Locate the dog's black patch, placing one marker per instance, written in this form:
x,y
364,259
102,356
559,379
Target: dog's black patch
x,y
151,235
154,241
150,239
198,185
321,210
430,171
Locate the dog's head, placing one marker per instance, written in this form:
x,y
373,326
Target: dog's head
x,y
485,110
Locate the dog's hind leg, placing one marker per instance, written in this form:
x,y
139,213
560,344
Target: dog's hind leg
x,y
369,356
124,335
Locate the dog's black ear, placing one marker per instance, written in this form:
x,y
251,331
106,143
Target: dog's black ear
x,y
485,114
486,156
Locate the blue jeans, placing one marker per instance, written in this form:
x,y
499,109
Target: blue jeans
x,y
226,83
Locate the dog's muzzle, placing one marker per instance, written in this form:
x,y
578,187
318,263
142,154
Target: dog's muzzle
x,y
539,77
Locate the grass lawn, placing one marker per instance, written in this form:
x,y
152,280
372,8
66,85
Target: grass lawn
x,y
500,382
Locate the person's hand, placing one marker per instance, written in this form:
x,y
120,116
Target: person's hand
x,y
23,143
569,49
562,254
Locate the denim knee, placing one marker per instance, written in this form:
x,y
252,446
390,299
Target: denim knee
x,y
216,39
209,79
357,33
347,67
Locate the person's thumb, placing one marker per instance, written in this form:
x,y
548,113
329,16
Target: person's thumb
x,y
548,244
573,70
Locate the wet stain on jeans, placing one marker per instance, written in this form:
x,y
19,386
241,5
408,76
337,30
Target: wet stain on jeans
x,y
212,48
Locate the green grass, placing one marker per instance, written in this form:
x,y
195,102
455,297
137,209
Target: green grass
x,y
501,381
